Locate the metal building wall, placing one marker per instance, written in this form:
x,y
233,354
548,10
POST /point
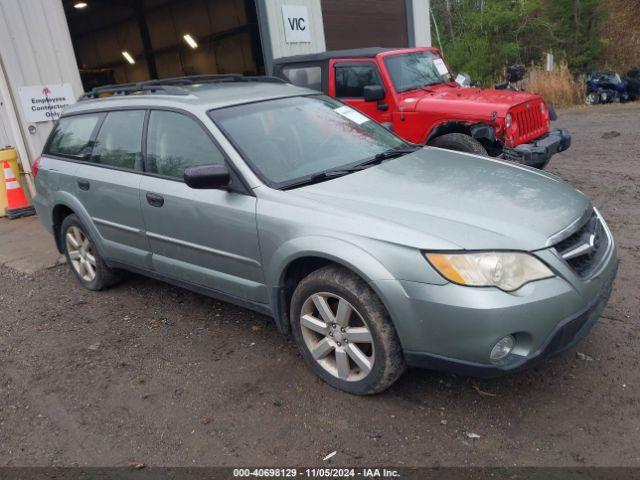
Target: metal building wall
x,y
274,44
419,11
4,124
35,49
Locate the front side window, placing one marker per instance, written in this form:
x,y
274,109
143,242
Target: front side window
x,y
72,135
351,79
409,71
176,142
308,77
288,140
119,141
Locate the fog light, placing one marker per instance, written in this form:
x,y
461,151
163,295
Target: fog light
x,y
502,348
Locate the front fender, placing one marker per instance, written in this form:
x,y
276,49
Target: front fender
x,y
339,251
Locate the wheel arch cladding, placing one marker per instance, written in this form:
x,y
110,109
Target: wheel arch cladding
x,y
66,204
60,212
297,258
450,126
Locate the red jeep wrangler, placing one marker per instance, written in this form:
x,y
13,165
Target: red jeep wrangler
x,y
412,91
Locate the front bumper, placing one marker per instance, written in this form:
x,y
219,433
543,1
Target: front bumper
x,y
567,334
453,328
538,153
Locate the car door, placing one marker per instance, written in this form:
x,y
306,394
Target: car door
x,y
108,184
201,237
347,84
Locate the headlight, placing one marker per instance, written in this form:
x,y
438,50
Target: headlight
x,y
508,120
507,271
543,109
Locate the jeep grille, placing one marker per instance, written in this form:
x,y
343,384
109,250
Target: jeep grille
x,y
532,123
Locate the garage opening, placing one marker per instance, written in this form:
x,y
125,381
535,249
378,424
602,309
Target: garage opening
x,y
121,41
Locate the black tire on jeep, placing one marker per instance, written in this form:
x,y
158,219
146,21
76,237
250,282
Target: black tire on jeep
x,y
83,257
460,142
344,332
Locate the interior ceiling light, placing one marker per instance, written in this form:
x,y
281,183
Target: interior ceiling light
x,y
80,5
128,57
189,39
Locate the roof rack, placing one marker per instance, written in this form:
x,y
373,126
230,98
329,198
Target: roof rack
x,y
214,78
133,88
171,86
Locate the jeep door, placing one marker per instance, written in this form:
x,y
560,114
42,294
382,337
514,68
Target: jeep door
x,y
199,237
107,185
347,80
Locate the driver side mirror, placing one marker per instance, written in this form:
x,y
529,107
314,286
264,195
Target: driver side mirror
x,y
207,177
373,93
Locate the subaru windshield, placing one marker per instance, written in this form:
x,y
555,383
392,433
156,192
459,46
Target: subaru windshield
x,y
300,140
410,71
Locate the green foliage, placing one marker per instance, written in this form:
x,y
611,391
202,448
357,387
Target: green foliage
x,y
482,37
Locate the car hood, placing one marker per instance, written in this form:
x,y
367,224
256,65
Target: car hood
x,y
439,199
499,101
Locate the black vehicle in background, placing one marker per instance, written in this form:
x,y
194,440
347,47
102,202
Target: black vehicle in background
x,y
605,87
632,78
515,75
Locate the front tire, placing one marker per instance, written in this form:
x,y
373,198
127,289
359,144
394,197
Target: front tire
x,y
459,142
83,257
592,98
344,332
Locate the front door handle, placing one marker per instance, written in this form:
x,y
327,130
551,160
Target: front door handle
x,y
83,184
155,200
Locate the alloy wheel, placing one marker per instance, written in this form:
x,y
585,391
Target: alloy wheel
x,y
80,253
337,337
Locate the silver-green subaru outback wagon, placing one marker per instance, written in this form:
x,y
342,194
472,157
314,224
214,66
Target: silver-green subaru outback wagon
x,y
373,253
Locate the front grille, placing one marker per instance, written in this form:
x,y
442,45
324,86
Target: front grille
x,y
532,123
585,249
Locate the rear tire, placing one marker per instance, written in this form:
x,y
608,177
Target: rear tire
x,y
459,142
344,332
83,257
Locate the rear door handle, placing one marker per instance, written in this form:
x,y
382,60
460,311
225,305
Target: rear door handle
x,y
154,199
83,184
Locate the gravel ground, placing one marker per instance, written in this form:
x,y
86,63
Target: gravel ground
x,y
149,373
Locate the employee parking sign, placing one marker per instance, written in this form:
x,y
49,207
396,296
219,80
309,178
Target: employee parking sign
x,y
44,103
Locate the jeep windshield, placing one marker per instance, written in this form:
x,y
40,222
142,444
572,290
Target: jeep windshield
x,y
410,71
294,141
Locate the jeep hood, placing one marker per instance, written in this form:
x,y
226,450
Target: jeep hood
x,y
439,199
457,99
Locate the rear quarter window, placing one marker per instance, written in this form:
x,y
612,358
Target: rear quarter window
x,y
72,135
304,76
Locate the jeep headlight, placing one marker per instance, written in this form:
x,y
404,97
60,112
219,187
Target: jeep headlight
x,y
508,120
507,271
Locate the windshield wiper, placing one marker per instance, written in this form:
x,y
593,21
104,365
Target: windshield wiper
x,y
321,177
340,172
386,155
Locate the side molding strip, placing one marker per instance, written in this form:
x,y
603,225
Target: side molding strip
x,y
202,248
119,226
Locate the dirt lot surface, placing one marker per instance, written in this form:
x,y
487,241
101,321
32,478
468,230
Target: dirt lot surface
x,y
149,373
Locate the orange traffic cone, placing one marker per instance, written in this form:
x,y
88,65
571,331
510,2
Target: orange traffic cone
x,y
17,203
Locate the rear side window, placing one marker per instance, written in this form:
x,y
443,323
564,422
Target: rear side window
x,y
351,79
72,135
308,77
119,141
176,142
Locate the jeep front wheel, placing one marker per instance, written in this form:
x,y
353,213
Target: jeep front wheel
x,y
459,142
